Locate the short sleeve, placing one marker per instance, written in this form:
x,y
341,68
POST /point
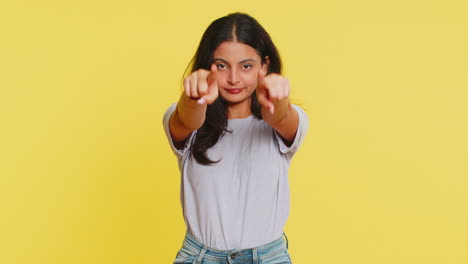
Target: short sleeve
x,y
302,128
167,116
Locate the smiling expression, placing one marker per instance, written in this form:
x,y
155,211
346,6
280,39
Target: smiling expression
x,y
238,67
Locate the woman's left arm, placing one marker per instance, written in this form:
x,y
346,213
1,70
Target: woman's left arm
x,y
277,111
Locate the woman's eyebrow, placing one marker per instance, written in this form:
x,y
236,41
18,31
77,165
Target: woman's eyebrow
x,y
242,61
246,60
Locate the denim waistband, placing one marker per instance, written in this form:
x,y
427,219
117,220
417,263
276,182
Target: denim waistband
x,y
192,244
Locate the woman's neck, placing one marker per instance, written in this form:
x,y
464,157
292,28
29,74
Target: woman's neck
x,y
240,110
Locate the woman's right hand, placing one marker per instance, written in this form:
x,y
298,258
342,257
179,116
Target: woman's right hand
x,y
202,86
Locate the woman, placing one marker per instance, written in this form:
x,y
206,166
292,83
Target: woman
x,y
234,133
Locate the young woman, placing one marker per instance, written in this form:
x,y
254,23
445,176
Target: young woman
x,y
234,132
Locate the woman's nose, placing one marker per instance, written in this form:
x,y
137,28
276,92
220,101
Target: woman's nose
x,y
233,77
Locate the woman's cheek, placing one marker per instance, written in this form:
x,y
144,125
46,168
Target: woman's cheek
x,y
247,79
253,82
221,79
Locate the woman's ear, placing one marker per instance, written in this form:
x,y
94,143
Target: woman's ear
x,y
266,65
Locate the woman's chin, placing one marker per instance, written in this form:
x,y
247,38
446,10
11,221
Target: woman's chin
x,y
236,99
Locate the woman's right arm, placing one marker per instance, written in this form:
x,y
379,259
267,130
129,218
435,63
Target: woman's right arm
x,y
200,89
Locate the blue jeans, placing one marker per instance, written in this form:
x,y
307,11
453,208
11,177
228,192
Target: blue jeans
x,y
195,252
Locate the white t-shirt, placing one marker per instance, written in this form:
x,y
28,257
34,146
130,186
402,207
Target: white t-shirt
x,y
243,200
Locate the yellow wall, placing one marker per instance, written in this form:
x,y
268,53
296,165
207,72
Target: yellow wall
x,y
87,176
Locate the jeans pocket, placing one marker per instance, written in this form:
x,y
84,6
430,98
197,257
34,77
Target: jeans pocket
x,y
287,254
279,257
183,257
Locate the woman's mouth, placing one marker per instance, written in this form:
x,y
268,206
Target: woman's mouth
x,y
234,90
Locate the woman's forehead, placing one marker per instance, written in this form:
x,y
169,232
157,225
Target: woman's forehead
x,y
235,52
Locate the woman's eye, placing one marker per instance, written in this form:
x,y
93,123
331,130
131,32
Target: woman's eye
x,y
246,66
221,66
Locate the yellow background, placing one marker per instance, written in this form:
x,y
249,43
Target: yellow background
x,y
87,176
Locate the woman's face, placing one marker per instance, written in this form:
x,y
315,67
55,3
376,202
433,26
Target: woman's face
x,y
238,67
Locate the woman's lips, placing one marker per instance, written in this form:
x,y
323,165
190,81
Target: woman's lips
x,y
234,90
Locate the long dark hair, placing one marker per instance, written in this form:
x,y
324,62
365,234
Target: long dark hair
x,y
238,27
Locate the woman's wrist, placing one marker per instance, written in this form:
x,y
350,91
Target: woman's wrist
x,y
282,111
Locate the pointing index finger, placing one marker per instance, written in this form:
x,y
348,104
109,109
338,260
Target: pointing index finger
x,y
213,71
261,76
263,93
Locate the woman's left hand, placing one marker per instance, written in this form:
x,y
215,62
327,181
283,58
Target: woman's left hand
x,y
272,91
277,111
